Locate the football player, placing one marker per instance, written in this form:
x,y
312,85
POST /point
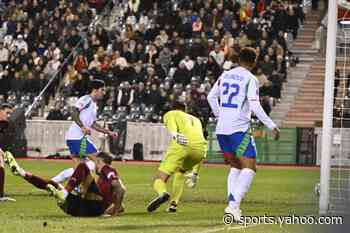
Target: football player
x,y
103,196
238,91
185,153
78,137
5,112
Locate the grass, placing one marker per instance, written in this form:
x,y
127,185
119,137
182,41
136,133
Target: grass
x,y
275,192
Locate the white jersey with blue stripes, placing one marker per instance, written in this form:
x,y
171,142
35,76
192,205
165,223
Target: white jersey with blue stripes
x,y
238,93
88,115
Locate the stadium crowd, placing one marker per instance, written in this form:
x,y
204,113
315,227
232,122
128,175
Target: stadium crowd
x,y
155,52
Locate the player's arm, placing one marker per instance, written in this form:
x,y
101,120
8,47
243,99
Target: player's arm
x,y
103,130
213,98
118,192
255,106
76,118
80,105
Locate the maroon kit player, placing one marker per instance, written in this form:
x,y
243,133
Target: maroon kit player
x,y
5,112
103,196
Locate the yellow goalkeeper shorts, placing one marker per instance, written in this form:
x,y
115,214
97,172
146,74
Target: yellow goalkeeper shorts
x,y
182,157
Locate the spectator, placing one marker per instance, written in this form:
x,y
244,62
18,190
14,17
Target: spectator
x,y
159,47
125,96
281,68
94,63
165,58
264,83
56,114
20,44
140,94
182,74
81,64
267,66
4,55
293,22
265,103
153,96
218,55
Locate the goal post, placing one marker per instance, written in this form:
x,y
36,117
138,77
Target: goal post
x,y
335,153
328,107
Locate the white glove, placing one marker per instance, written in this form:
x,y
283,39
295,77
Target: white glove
x,y
180,139
191,179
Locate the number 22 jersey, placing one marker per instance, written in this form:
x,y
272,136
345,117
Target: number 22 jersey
x,y
238,92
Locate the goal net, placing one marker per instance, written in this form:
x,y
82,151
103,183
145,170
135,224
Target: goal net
x,y
335,162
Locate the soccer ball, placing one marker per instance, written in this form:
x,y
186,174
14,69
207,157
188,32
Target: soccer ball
x,y
317,189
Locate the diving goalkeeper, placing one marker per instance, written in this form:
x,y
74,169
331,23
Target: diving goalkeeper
x,y
185,153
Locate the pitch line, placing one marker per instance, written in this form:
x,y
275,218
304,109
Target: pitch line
x,y
226,228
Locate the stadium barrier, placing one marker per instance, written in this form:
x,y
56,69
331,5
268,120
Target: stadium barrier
x,y
153,136
296,146
283,151
45,138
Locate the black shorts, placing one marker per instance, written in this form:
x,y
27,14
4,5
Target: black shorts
x,y
77,206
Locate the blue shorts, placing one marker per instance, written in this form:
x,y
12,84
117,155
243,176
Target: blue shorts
x,y
232,143
75,148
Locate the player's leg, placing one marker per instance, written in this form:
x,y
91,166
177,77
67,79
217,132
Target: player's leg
x,y
159,185
2,180
81,174
191,163
74,149
228,146
191,177
36,181
172,161
80,150
89,202
2,176
248,168
177,189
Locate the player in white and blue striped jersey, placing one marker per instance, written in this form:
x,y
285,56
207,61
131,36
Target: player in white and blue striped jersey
x,y
78,137
233,98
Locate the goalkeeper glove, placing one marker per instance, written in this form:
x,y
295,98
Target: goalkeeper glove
x,y
191,179
180,139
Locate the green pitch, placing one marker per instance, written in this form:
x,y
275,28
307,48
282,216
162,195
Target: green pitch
x,y
274,192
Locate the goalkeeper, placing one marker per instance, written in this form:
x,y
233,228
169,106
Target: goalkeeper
x,y
185,153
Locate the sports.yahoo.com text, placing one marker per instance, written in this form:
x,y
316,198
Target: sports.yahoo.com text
x,y
228,219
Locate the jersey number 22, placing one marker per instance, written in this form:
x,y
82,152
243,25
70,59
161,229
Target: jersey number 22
x,y
231,90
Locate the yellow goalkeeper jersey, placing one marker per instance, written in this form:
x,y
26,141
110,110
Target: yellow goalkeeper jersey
x,y
186,124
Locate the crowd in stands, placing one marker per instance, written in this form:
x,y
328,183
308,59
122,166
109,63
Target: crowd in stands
x,y
35,39
156,51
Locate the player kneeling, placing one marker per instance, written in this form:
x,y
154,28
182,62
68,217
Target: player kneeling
x,y
101,197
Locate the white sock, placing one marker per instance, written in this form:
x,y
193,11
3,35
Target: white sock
x,y
232,179
244,181
21,172
65,193
63,175
91,165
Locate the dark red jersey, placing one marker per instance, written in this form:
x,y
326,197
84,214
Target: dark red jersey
x,y
104,183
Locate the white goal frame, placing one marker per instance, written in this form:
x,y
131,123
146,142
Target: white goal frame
x,y
328,106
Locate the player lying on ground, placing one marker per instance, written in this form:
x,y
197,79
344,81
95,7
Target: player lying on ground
x,y
5,112
101,197
78,137
238,90
185,153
